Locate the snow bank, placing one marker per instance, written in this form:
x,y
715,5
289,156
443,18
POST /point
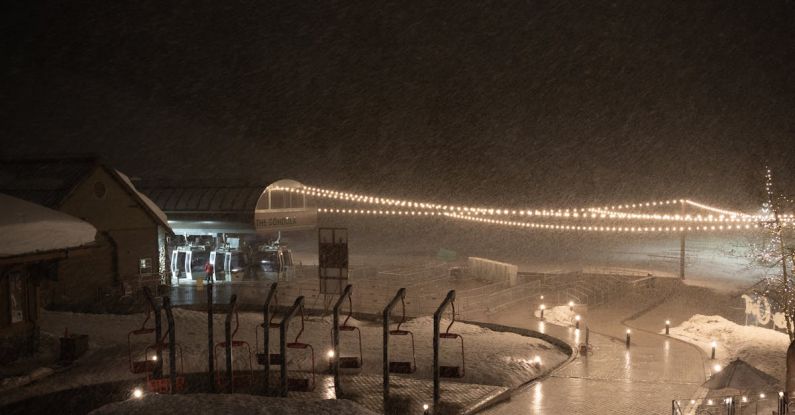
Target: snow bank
x,y
765,349
29,228
560,315
229,404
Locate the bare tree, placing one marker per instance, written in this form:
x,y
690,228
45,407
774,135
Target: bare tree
x,y
776,252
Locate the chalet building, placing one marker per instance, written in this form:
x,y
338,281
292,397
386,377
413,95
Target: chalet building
x,y
35,240
131,235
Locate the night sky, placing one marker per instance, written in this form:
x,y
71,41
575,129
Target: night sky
x,y
540,103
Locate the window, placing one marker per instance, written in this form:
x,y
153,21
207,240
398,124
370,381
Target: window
x,y
145,266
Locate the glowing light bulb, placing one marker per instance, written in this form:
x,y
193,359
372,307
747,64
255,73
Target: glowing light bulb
x,y
137,393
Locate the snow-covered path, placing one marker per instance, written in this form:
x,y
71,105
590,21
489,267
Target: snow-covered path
x,y
612,379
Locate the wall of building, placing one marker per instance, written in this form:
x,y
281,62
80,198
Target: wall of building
x,y
130,235
19,310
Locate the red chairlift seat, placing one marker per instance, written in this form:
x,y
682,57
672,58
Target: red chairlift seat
x,y
403,366
449,371
145,365
351,362
240,378
304,383
163,384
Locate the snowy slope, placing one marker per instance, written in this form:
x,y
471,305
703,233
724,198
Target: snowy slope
x,y
28,228
560,315
762,348
149,203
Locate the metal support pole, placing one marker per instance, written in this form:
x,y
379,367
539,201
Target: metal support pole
x,y
266,336
210,341
682,246
228,339
437,317
335,339
299,302
158,371
172,345
399,296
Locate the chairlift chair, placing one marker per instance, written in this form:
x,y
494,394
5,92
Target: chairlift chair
x,y
403,366
302,384
457,371
145,365
240,378
273,359
163,384
351,362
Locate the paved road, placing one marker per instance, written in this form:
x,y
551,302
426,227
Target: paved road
x,y
613,379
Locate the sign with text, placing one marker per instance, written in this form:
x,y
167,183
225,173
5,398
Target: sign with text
x,y
272,220
332,259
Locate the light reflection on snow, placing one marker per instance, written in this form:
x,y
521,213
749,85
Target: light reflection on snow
x,y
538,396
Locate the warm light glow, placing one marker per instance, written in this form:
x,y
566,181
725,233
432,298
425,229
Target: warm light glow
x,y
667,322
330,354
709,401
571,303
542,306
577,317
628,331
717,368
154,357
714,344
761,396
537,360
137,393
744,399
425,407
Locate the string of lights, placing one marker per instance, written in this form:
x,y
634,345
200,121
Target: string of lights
x,y
543,226
609,213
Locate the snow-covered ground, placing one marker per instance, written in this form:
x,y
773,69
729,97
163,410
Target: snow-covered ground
x,y
229,404
762,348
492,358
560,315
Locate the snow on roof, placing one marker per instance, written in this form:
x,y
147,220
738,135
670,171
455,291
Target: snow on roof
x,y
149,203
29,228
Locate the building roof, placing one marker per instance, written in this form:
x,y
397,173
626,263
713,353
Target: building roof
x,y
28,228
48,182
206,199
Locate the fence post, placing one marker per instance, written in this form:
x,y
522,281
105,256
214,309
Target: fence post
x,y
437,317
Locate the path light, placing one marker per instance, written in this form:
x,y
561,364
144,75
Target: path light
x,y
425,408
628,332
537,361
717,368
542,307
744,399
137,393
571,305
577,321
542,298
330,354
780,394
761,396
714,346
667,327
692,401
709,401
